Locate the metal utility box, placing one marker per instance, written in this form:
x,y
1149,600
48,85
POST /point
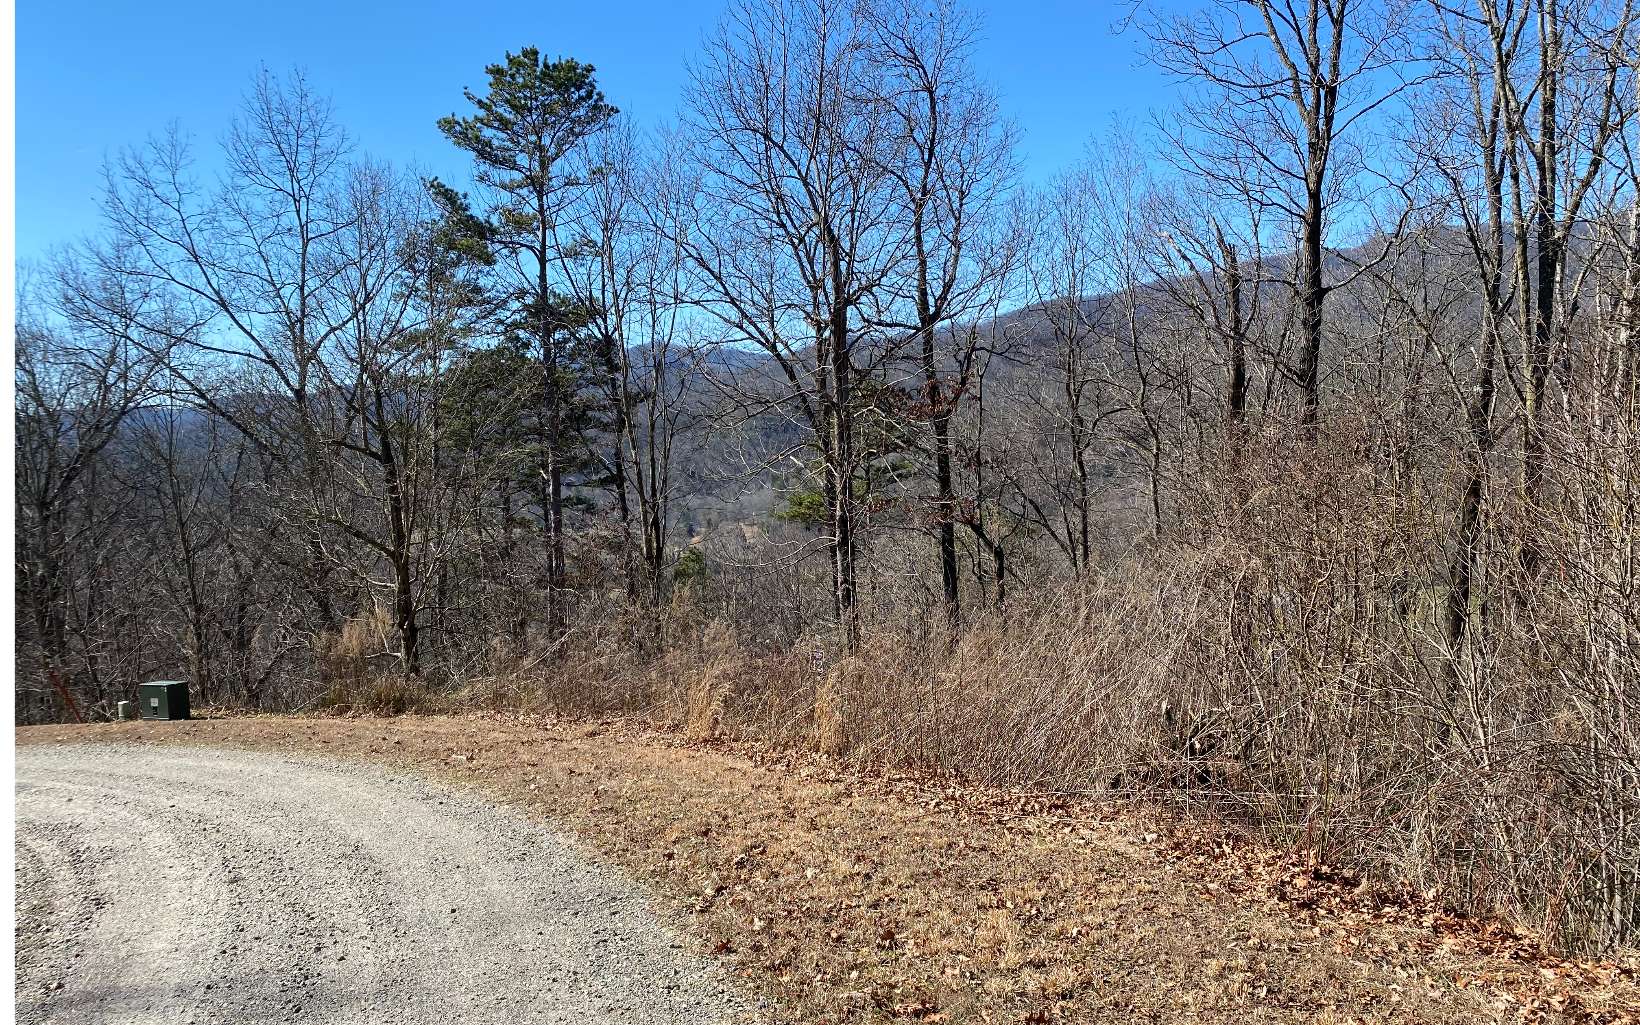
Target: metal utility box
x,y
163,699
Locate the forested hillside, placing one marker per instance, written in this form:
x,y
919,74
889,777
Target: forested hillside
x,y
1280,460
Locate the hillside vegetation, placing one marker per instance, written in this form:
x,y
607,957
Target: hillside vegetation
x,y
1280,464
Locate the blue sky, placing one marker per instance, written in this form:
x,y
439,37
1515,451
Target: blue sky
x,y
95,77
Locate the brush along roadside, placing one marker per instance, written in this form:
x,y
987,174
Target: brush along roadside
x,y
844,894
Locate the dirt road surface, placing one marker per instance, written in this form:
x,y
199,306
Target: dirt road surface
x,y
195,885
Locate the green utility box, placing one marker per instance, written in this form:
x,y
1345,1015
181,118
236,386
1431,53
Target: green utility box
x,y
163,699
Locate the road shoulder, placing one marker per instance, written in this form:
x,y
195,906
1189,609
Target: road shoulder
x,y
848,895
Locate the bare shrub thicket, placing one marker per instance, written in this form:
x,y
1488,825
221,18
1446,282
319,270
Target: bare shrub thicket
x,y
1278,663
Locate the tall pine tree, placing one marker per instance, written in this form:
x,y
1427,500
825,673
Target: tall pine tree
x,y
533,117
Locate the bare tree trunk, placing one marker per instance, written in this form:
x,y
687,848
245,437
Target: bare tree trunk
x,y
1466,557
1235,329
841,470
945,498
1540,341
399,540
1311,297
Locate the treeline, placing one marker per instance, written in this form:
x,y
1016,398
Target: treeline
x,y
1282,458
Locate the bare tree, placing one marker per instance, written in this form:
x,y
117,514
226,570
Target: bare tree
x,y
292,312
1073,403
383,399
626,271
1208,264
241,280
795,226
76,383
1565,112
1472,137
955,172
1286,90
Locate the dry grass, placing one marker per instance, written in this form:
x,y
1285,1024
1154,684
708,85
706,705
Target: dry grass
x,y
849,895
350,662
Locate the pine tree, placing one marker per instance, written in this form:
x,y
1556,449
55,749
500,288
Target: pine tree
x,y
535,115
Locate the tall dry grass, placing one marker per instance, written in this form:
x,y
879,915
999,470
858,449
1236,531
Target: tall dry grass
x,y
357,670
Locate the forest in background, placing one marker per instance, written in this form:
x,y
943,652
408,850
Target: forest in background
x,y
1281,460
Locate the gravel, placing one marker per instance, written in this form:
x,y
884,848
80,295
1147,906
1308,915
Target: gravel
x,y
195,886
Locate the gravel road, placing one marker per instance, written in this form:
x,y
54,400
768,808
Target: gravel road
x,y
191,885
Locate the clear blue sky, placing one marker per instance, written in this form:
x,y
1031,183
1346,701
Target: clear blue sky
x,y
98,76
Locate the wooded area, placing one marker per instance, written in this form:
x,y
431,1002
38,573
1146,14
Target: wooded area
x,y
1281,459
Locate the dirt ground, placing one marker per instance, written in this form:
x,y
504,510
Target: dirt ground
x,y
844,895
